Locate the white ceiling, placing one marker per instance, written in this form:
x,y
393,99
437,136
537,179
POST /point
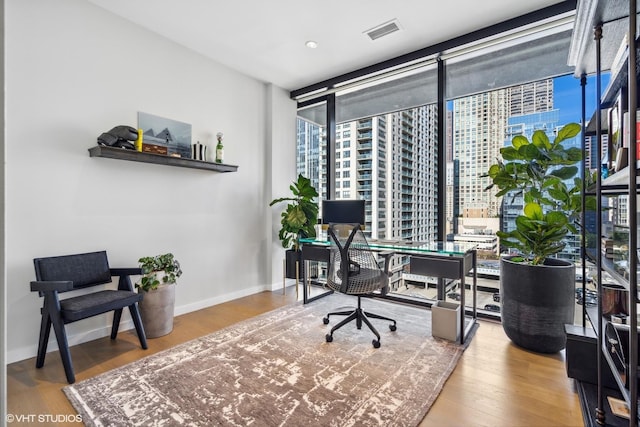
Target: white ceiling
x,y
266,39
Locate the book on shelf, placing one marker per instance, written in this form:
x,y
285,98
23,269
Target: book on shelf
x,y
627,138
153,148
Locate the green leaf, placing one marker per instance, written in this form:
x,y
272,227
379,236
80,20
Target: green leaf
x,y
509,153
518,141
533,211
556,218
530,152
558,194
574,154
494,170
540,140
566,172
568,131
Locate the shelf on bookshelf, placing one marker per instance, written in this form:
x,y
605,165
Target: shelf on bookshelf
x,y
617,183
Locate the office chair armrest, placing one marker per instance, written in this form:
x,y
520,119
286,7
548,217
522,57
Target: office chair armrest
x,y
387,256
354,268
51,285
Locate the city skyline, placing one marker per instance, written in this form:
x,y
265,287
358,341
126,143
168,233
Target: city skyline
x,y
394,175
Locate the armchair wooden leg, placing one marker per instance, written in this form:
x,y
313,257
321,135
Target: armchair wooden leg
x,y
45,328
137,321
63,346
117,314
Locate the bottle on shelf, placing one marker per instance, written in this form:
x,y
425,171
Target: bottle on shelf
x,y
219,148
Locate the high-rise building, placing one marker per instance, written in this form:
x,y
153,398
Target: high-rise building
x,y
389,161
481,124
478,133
310,160
531,97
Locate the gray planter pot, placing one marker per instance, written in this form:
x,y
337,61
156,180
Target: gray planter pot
x,y
537,301
156,310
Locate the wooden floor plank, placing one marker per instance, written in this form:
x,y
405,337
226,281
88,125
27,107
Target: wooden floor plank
x,y
495,383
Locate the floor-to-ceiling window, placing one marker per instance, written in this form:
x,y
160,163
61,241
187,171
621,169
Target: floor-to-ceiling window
x,y
389,141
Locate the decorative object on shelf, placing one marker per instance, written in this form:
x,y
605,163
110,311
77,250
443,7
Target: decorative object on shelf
x,y
158,282
298,220
219,148
119,137
537,291
165,136
199,151
138,143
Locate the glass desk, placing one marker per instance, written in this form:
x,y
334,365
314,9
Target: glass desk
x,y
443,260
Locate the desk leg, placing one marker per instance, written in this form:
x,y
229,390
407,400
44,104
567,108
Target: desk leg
x,y
463,290
297,276
305,293
284,277
307,281
475,284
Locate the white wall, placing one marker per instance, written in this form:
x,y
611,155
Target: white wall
x,y
74,71
3,276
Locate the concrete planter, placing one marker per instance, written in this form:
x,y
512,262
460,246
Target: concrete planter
x,y
156,310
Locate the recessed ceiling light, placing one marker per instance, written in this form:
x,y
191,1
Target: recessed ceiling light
x,y
311,44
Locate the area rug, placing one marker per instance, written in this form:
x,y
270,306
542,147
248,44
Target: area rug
x,y
277,369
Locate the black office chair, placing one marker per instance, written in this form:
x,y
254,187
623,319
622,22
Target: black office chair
x,y
354,270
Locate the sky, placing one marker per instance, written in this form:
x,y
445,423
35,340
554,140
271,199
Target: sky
x,y
567,97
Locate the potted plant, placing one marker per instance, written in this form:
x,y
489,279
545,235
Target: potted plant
x,y
537,291
298,220
160,275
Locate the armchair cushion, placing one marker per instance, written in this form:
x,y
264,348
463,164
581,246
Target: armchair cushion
x,y
88,305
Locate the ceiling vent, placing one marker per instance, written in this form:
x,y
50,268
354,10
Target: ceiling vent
x,y
383,29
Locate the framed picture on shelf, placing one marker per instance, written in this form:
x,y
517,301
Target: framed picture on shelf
x,y
165,136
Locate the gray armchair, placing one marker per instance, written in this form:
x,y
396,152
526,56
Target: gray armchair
x,y
354,270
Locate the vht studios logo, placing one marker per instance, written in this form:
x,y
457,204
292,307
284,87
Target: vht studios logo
x,y
43,418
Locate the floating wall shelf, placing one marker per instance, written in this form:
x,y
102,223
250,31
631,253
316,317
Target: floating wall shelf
x,y
159,159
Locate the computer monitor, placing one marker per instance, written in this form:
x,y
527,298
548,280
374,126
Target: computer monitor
x,y
343,211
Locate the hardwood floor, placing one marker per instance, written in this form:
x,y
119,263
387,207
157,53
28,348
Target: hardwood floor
x,y
494,384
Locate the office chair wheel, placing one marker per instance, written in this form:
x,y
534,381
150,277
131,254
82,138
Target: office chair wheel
x,y
376,343
329,337
392,327
325,320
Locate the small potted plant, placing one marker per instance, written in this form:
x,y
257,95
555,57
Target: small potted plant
x,y
158,282
537,289
298,220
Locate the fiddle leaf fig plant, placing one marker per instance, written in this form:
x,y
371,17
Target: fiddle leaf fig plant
x,y
156,270
301,214
538,170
